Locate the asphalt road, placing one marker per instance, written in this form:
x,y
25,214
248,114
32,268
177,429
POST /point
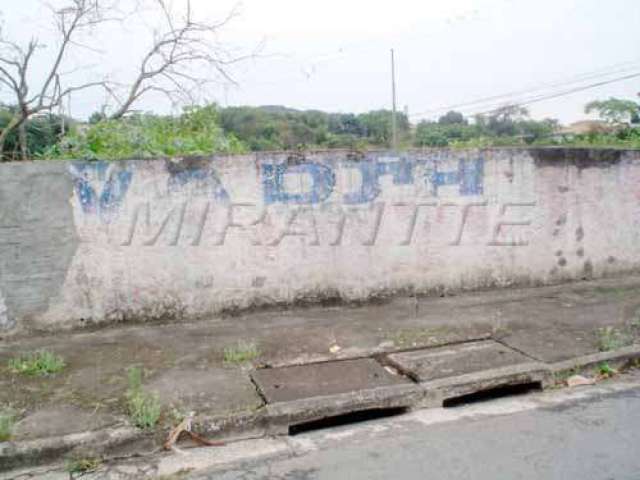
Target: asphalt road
x,y
589,437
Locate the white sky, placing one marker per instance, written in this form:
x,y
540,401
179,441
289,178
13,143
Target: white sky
x,y
334,54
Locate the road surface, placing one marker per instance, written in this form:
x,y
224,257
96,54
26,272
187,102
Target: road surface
x,y
583,434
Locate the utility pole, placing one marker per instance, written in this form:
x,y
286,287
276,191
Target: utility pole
x,y
394,127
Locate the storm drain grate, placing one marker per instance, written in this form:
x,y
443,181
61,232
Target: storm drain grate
x,y
492,394
346,419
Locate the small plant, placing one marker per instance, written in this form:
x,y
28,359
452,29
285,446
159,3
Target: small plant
x,y
143,407
7,421
241,352
38,363
610,338
605,370
83,465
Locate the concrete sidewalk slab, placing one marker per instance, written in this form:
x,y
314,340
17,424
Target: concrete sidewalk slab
x,y
455,360
321,379
216,391
185,363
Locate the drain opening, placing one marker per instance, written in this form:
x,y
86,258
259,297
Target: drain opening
x,y
346,419
492,394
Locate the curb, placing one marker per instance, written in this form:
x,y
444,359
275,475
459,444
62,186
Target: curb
x,y
277,419
619,358
43,450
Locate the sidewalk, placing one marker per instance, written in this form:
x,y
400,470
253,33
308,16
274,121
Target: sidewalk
x,y
217,369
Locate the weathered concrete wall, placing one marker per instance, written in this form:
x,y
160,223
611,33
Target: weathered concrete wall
x,y
87,242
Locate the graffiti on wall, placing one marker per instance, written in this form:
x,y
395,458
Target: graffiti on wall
x,y
344,200
468,177
100,187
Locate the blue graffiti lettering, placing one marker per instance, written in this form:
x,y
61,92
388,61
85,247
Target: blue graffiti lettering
x,y
273,177
115,180
469,177
370,172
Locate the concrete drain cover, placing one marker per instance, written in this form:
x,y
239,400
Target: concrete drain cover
x,y
454,360
319,379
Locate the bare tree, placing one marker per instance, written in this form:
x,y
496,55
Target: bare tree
x,y
16,61
184,55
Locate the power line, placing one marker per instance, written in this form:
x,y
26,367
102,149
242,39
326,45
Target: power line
x,y
601,72
541,98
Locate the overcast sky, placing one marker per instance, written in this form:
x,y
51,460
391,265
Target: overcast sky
x,y
334,54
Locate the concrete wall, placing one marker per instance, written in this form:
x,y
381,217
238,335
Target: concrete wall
x,y
88,242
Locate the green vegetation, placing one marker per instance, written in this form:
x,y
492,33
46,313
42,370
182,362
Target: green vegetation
x,y
615,110
143,407
39,363
210,129
195,132
241,352
7,421
280,128
611,338
605,370
83,465
42,132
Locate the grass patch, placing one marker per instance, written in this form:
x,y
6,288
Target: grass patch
x,y
82,465
7,421
39,363
606,371
611,338
241,352
143,407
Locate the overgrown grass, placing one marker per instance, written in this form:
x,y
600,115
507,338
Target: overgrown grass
x,y
241,352
37,363
82,465
7,421
143,407
612,338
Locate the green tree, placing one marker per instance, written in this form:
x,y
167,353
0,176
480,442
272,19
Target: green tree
x,y
40,132
615,110
452,118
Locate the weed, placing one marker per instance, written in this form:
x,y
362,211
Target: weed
x,y
611,338
635,321
83,465
605,370
7,421
241,352
37,363
143,407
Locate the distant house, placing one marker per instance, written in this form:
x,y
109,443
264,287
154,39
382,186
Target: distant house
x,y
586,127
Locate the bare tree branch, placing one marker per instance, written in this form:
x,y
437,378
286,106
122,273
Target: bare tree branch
x,y
16,60
184,55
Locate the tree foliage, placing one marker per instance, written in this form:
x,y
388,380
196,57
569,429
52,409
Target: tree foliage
x,y
615,110
196,132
